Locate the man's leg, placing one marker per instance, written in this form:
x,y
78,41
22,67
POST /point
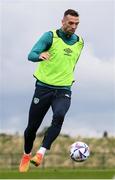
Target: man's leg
x,y
39,107
40,104
60,105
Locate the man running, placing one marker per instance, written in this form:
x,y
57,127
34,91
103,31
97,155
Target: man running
x,y
57,52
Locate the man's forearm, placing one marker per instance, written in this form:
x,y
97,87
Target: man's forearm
x,y
34,57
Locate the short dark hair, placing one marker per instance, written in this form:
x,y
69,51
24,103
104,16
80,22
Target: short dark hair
x,y
71,12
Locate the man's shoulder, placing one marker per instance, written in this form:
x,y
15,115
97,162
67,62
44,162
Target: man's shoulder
x,y
47,37
48,34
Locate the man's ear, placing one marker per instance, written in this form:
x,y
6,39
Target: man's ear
x,y
62,21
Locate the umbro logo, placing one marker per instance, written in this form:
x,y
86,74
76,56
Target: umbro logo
x,y
67,51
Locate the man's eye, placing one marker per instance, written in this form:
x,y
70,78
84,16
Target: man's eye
x,y
70,23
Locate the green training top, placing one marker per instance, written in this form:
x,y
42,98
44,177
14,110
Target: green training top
x,y
61,64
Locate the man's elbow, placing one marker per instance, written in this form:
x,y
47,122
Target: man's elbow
x,y
33,57
30,58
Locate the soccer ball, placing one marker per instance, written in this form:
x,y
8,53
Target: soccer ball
x,y
79,151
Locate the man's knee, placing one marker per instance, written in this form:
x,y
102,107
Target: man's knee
x,y
58,119
30,133
59,115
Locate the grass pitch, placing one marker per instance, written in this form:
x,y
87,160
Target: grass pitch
x,y
59,173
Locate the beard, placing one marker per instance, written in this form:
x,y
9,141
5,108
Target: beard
x,y
69,31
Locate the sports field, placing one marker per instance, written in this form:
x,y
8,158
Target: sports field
x,y
59,174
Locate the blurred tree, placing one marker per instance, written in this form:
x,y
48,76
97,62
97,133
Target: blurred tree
x,y
105,134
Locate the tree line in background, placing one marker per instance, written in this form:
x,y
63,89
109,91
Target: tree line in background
x,y
102,151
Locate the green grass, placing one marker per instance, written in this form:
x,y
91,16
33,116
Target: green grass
x,y
59,174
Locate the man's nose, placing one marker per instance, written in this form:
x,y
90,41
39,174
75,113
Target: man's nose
x,y
74,26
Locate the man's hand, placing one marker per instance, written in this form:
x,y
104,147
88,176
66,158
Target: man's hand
x,y
44,56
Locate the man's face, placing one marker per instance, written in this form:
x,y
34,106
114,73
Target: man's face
x,y
69,24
